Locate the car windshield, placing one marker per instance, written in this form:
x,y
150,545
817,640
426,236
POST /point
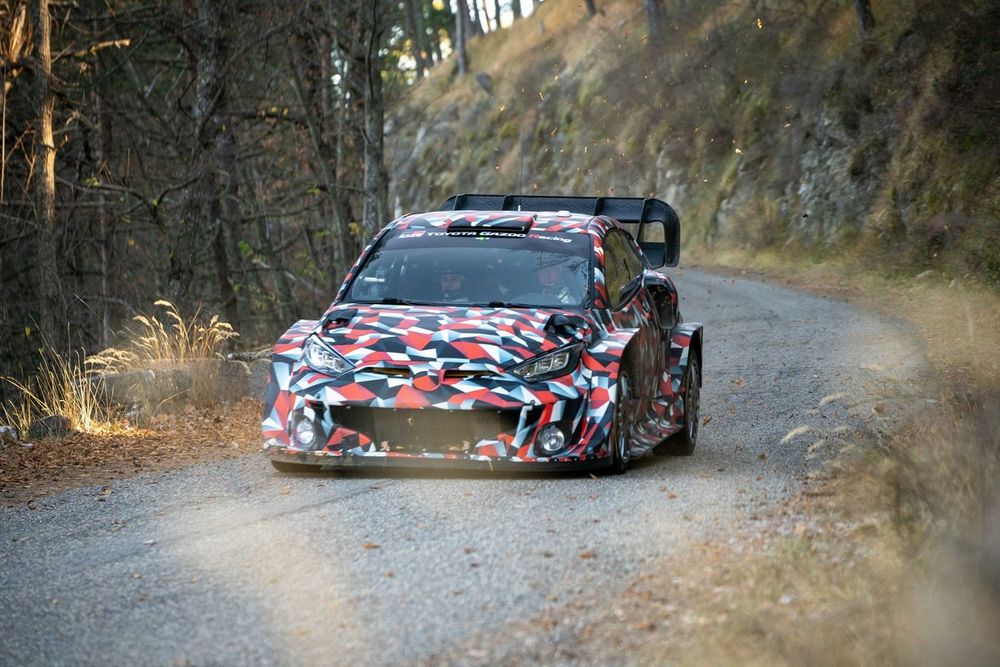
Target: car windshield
x,y
434,267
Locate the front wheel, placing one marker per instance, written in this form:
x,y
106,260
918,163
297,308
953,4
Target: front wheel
x,y
683,442
621,454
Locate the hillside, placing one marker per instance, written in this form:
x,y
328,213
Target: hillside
x,y
776,127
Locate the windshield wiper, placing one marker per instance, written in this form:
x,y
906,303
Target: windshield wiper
x,y
394,301
511,304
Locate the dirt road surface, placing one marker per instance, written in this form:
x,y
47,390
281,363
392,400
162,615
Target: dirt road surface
x,y
233,563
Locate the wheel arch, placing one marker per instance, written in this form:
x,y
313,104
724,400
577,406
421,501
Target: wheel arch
x,y
686,340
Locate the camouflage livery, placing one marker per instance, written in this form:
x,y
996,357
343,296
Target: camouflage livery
x,y
432,383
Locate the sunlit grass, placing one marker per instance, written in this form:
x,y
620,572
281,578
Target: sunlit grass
x,y
66,385
173,338
60,386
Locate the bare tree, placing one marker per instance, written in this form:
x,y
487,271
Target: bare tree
x,y
460,37
656,18
865,16
515,7
414,36
376,184
473,8
45,166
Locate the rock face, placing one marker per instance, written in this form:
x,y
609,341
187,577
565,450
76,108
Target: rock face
x,y
53,426
259,371
234,380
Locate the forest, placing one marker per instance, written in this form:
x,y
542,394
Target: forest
x,y
234,156
224,154
181,181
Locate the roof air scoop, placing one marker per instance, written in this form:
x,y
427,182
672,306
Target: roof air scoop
x,y
491,223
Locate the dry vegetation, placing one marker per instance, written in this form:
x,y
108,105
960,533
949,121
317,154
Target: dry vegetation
x,y
892,555
108,440
174,340
167,441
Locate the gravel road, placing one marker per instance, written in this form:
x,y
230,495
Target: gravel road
x,y
233,563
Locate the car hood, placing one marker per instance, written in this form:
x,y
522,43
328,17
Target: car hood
x,y
446,336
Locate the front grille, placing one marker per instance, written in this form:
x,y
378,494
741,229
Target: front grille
x,y
429,430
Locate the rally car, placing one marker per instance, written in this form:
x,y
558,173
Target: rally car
x,y
503,331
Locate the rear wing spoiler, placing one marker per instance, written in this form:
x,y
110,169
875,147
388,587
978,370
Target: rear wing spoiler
x,y
634,210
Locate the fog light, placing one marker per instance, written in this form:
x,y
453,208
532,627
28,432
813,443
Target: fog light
x,y
305,433
551,439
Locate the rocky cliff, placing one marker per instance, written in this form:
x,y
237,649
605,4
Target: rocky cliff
x,y
767,124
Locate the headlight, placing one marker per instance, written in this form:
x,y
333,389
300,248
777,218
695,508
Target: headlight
x,y
323,359
549,365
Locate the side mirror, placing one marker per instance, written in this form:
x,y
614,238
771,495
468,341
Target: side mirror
x,y
655,253
667,313
662,291
661,242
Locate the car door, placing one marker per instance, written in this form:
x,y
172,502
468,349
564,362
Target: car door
x,y
632,307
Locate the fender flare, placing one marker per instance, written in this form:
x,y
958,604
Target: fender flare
x,y
685,340
607,354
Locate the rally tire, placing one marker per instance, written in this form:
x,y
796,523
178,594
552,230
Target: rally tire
x,y
683,442
619,438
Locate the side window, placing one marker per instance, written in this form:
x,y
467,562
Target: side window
x,y
615,268
633,258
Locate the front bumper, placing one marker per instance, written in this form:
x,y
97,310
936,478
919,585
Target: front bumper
x,y
326,460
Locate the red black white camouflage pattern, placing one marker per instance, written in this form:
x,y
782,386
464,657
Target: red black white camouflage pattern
x,y
444,370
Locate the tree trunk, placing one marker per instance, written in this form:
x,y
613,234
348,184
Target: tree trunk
x,y
106,234
591,9
460,21
422,39
206,212
477,27
496,13
410,21
376,184
46,266
865,16
656,19
515,7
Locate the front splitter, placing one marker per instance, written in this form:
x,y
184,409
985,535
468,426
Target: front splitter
x,y
356,461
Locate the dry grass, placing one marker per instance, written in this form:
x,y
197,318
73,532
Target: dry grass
x,y
174,339
918,579
59,387
62,385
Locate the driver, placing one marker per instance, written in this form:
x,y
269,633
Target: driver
x,y
555,281
452,284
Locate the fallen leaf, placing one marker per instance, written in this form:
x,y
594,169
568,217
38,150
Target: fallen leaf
x,y
706,420
795,432
371,545
588,555
832,397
